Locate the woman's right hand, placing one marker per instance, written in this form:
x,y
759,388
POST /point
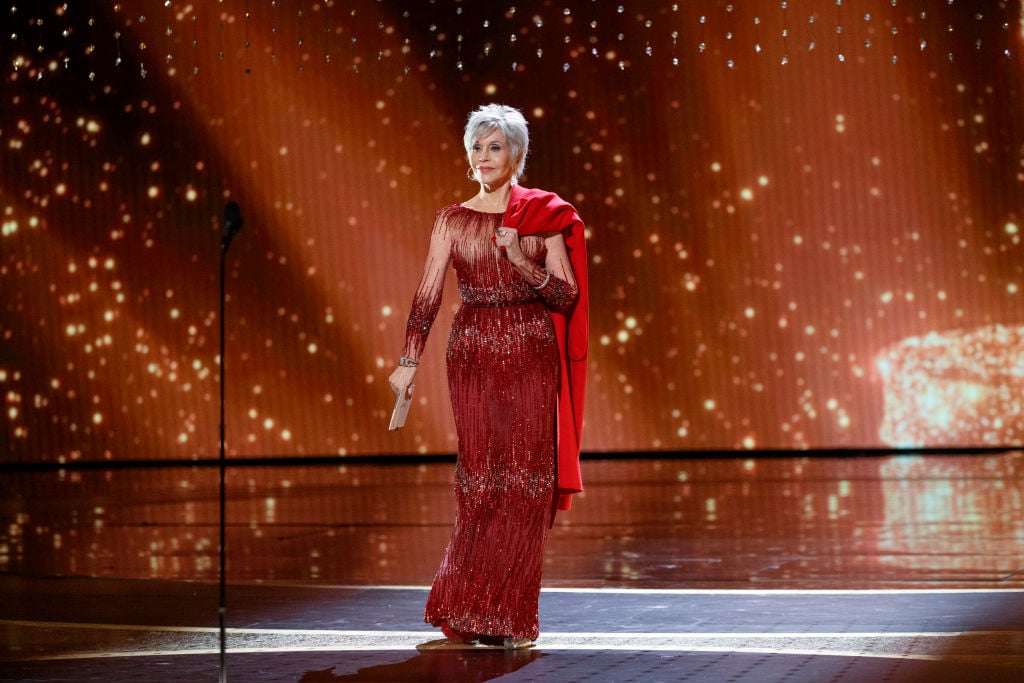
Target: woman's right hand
x,y
402,379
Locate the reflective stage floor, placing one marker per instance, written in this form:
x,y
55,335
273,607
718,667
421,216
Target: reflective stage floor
x,y
895,568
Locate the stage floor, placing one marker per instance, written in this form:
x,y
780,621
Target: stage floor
x,y
903,568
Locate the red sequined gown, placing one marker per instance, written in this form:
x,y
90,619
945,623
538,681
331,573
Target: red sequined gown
x,y
503,369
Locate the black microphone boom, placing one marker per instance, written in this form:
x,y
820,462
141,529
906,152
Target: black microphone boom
x,y
232,224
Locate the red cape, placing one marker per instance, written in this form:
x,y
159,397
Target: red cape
x,y
532,211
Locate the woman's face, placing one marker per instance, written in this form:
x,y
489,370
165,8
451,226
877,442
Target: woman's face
x,y
491,159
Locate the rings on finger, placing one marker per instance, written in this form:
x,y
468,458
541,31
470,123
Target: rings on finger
x,y
501,233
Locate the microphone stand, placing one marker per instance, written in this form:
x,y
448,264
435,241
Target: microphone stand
x,y
222,603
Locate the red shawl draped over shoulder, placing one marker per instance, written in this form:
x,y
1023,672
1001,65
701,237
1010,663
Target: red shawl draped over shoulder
x,y
532,211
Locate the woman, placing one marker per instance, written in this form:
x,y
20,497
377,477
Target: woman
x,y
516,374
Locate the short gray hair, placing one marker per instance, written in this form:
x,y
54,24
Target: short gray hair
x,y
512,124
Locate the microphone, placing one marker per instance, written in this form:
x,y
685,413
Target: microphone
x,y
232,224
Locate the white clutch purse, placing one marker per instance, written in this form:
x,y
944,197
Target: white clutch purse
x,y
401,410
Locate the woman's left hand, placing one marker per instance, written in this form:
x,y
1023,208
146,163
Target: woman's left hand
x,y
507,239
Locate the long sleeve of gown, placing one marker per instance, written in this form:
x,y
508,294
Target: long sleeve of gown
x,y
559,294
560,290
427,300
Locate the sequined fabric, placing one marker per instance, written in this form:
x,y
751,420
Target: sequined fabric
x,y
503,377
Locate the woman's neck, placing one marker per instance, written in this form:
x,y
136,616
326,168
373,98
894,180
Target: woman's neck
x,y
493,198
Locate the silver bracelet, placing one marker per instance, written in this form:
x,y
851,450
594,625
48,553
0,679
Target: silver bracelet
x,y
407,362
544,284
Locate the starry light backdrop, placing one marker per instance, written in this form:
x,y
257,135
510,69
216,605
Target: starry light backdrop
x,y
804,217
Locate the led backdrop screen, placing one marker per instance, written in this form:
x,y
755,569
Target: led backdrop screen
x,y
803,218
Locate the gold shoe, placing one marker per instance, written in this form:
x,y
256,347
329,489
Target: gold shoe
x,y
518,643
445,644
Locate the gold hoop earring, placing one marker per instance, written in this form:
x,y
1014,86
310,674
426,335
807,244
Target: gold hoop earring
x,y
471,174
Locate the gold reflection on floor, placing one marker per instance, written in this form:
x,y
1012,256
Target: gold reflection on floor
x,y
796,522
